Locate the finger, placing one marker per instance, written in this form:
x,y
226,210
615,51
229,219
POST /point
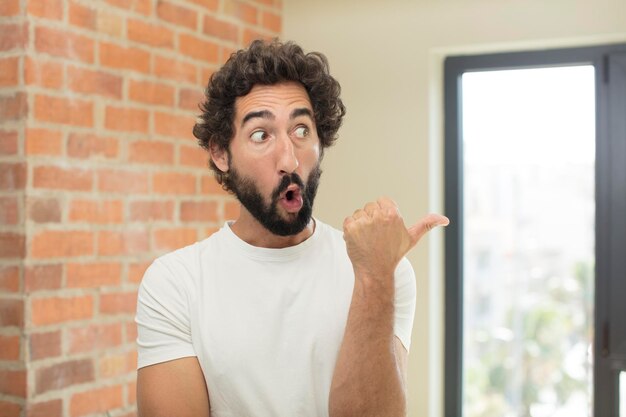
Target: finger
x,y
388,205
425,225
370,208
347,221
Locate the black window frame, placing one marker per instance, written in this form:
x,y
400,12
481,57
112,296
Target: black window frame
x,y
610,236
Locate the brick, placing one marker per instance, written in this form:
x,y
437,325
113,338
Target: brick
x,y
174,238
210,5
173,183
82,16
207,72
12,245
210,186
231,210
13,382
118,303
121,181
63,110
140,6
14,36
43,142
53,310
131,360
44,210
9,278
96,211
43,73
94,82
63,375
87,145
12,176
8,210
243,11
13,107
128,242
149,34
194,47
177,15
268,2
151,93
9,71
149,151
225,54
98,400
173,125
198,211
136,271
57,178
190,99
45,345
131,332
193,156
220,29
110,23
61,243
9,347
47,9
119,57
64,44
7,408
52,408
209,231
272,21
174,69
8,143
112,365
151,210
250,35
11,312
93,275
127,119
94,337
43,277
131,392
9,8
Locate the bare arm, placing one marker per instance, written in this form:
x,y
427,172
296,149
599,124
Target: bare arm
x,y
174,388
370,374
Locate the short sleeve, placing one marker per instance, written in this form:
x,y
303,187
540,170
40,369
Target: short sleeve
x,y
163,326
405,295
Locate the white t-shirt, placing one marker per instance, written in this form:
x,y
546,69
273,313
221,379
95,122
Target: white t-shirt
x,y
265,324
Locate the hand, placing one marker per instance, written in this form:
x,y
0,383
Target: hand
x,y
377,239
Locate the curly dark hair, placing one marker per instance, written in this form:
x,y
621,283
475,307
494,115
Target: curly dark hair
x,y
268,63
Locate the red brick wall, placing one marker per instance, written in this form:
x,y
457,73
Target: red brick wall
x,y
99,174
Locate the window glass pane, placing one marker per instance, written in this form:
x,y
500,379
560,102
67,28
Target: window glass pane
x,y
529,156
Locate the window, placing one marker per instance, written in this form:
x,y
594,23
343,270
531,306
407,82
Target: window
x,y
536,190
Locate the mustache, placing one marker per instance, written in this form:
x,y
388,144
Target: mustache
x,y
285,182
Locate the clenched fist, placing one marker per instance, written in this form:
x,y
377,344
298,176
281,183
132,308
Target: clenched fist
x,y
377,239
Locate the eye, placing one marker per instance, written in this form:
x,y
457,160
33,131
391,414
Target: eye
x,y
258,136
301,132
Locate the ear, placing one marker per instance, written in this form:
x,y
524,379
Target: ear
x,y
219,156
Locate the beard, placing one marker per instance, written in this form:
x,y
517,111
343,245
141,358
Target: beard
x,y
248,194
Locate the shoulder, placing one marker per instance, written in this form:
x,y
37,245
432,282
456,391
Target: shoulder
x,y
179,268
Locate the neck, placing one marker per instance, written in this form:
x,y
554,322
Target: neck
x,y
248,229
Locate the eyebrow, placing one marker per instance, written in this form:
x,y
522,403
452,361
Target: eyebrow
x,y
266,114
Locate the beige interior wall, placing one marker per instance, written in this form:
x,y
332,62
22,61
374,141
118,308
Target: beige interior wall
x,y
388,56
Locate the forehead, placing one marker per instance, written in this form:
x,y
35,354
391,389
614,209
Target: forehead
x,y
274,97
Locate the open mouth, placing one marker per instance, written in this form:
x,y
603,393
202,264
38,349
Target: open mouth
x,y
289,195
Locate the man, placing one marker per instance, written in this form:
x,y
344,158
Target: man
x,y
278,314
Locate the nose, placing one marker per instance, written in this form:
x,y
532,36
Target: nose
x,y
287,159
